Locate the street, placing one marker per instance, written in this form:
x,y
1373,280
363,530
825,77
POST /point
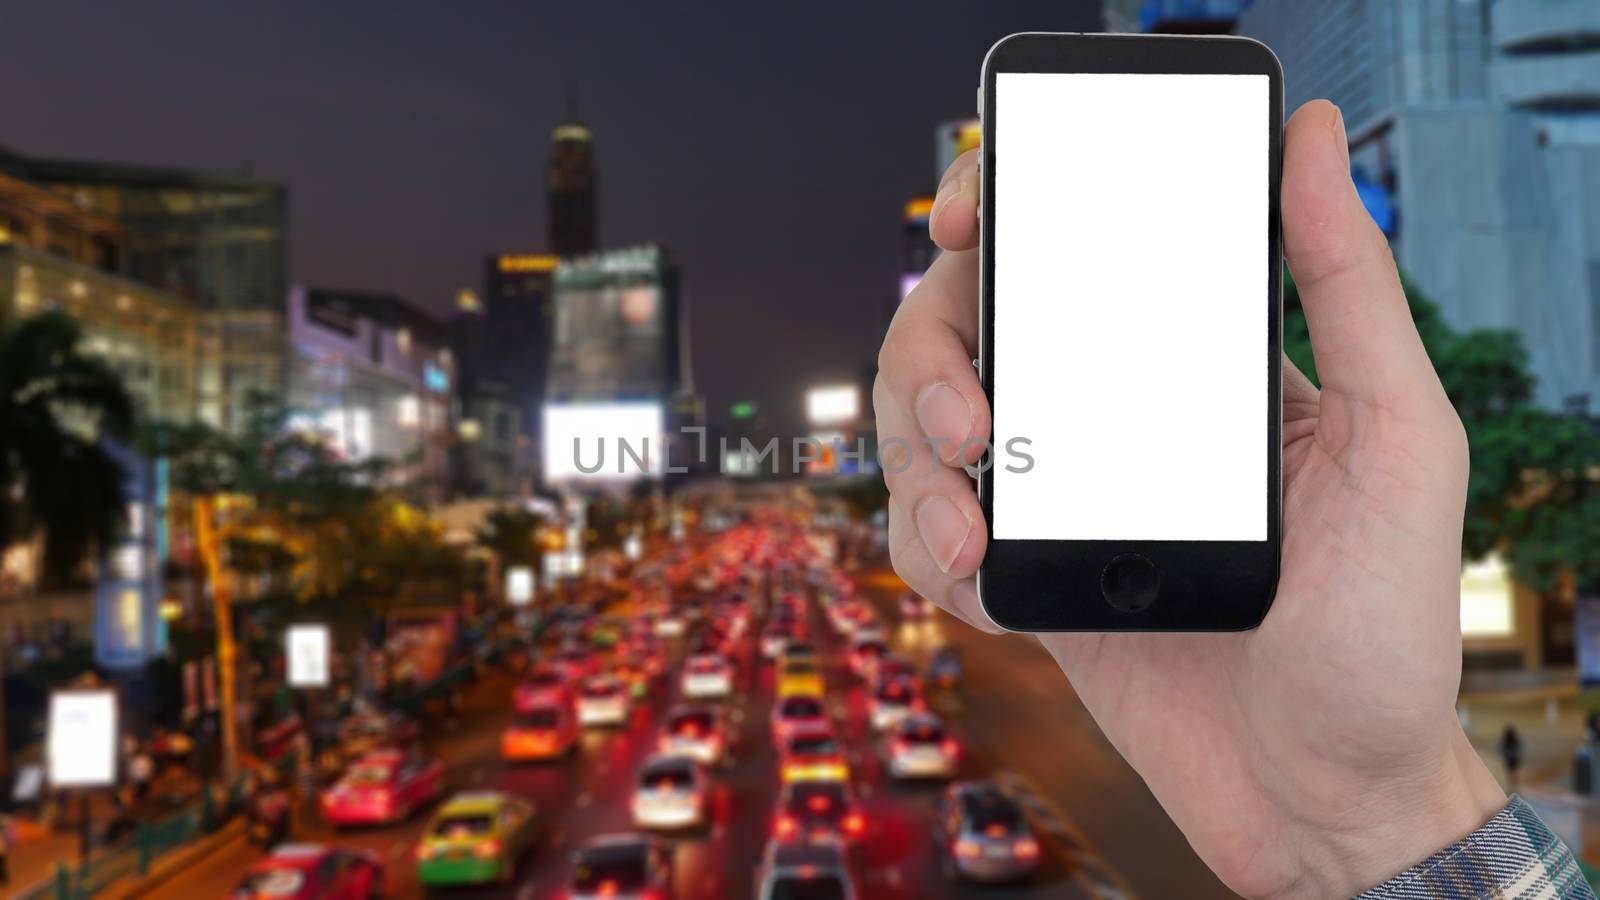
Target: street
x,y
1014,716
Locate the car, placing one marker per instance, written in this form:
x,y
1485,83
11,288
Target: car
x,y
800,678
543,732
818,812
812,755
313,872
383,787
707,675
796,713
893,700
774,638
804,872
540,687
798,650
919,747
603,700
944,668
670,625
364,732
894,668
634,675
474,838
914,607
865,651
576,662
621,867
695,732
983,834
672,792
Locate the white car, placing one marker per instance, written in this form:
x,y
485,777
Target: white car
x,y
773,643
892,702
604,700
672,792
670,625
920,748
707,675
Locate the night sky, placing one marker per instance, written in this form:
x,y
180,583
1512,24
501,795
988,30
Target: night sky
x,y
769,145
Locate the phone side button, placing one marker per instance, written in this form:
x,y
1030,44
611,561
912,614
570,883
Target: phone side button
x,y
1130,582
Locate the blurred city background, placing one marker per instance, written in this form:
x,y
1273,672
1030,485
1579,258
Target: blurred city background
x,y
301,309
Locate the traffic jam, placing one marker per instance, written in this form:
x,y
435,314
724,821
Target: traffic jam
x,y
741,721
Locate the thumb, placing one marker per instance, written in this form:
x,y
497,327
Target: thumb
x,y
1362,334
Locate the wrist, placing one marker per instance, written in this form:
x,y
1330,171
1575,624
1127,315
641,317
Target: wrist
x,y
1407,818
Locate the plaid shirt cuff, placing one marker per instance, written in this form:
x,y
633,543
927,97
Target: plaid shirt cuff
x,y
1513,857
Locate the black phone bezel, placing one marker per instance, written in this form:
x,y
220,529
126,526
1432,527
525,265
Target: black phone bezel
x,y
1049,585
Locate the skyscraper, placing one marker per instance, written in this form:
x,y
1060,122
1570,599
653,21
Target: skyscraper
x,y
570,186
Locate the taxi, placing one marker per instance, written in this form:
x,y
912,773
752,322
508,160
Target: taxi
x,y
812,755
312,872
799,677
542,732
475,838
383,788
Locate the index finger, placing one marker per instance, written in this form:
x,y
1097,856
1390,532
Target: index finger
x,y
926,359
953,223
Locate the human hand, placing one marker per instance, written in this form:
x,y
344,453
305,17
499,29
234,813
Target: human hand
x,y
1320,753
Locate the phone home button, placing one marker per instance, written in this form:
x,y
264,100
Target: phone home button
x,y
1130,582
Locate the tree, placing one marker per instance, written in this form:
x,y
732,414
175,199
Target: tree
x,y
1530,494
56,406
512,535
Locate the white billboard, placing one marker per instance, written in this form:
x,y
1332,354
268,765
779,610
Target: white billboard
x,y
308,652
603,441
82,738
519,585
833,405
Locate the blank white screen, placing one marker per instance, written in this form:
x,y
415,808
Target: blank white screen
x,y
1130,306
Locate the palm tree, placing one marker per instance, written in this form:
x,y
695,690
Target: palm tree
x,y
56,404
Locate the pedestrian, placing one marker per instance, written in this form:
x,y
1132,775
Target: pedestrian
x,y
1511,752
1591,727
141,770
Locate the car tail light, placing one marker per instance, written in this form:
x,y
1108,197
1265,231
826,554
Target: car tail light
x,y
818,803
855,825
995,831
899,747
607,889
1025,848
968,849
487,850
424,852
950,747
785,826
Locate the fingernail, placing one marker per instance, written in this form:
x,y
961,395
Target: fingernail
x,y
944,529
949,189
1340,136
944,414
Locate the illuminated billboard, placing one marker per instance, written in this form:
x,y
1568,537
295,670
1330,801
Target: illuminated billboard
x,y
308,649
603,441
833,404
616,331
81,739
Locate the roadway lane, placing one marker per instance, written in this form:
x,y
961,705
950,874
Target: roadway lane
x,y
1017,710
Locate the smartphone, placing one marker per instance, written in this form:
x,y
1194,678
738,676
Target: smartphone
x,y
1131,332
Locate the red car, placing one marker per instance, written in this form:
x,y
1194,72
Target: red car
x,y
313,872
795,714
383,787
543,686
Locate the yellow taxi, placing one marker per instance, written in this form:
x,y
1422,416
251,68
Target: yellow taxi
x,y
799,677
